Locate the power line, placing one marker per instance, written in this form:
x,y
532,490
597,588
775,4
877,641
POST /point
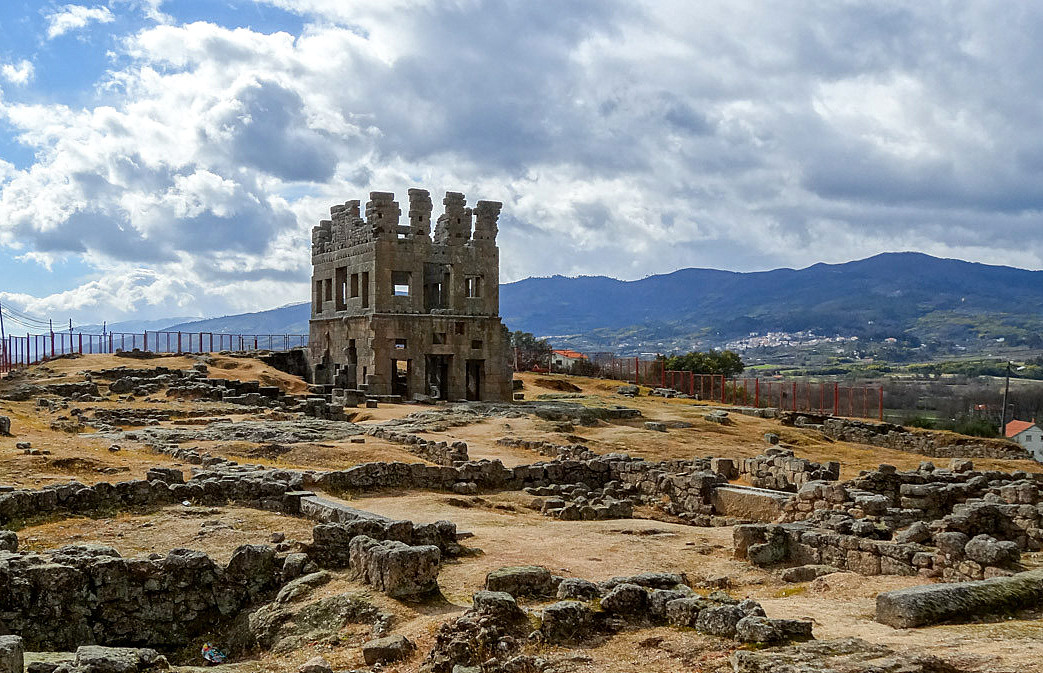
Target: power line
x,y
26,320
23,316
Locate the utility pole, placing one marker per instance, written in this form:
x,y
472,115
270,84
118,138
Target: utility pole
x,y
3,336
1003,410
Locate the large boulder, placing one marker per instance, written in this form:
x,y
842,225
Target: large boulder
x,y
626,600
8,541
387,649
5,426
758,629
397,569
253,566
847,655
316,664
567,622
574,588
685,611
720,620
807,573
522,581
499,605
988,551
97,659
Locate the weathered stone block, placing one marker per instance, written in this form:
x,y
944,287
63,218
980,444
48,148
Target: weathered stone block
x,y
522,581
11,654
929,604
388,649
397,569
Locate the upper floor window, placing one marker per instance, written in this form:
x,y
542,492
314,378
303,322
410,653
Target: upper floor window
x,y
400,283
473,288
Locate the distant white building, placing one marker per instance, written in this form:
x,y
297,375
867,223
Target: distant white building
x,y
1028,435
564,359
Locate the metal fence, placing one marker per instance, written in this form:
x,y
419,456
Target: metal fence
x,y
819,397
21,351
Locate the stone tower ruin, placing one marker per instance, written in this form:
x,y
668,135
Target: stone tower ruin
x,y
399,311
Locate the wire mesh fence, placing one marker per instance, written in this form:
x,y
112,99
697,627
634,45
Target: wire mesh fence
x,y
22,351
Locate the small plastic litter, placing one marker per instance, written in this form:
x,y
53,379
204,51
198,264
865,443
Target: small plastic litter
x,y
212,655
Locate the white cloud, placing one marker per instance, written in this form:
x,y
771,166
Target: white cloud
x,y
20,73
624,138
75,17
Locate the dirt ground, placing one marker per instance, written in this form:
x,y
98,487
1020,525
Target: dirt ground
x,y
216,530
505,529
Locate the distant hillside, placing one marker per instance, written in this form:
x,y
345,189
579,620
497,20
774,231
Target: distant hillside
x,y
292,319
903,295
890,295
129,326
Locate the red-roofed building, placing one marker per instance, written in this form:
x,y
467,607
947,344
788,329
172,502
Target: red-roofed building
x,y
1028,435
566,358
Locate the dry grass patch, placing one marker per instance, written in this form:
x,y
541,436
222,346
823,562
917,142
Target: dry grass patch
x,y
214,530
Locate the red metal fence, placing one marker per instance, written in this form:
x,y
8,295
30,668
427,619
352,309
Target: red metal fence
x,y
21,351
819,397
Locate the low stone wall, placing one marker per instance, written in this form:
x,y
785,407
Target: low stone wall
x,y
926,443
800,544
779,470
976,523
586,611
440,453
274,490
89,594
395,568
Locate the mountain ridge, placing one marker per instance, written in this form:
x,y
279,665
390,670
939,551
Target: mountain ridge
x,y
904,295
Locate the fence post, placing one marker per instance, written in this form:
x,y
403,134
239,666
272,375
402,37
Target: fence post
x,y
881,403
637,371
836,398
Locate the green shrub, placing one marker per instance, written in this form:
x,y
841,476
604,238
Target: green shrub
x,y
975,426
919,421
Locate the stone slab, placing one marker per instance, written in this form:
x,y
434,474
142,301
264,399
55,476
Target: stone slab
x,y
745,502
933,603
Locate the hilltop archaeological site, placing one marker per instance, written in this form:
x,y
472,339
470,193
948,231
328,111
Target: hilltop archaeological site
x,y
394,498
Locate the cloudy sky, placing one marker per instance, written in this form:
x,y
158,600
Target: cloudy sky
x,y
169,157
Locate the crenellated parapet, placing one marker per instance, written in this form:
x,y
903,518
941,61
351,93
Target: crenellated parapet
x,y
420,213
454,226
382,214
347,227
486,215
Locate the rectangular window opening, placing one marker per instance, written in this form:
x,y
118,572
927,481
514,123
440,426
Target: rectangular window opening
x,y
365,289
341,275
400,283
474,287
459,328
476,344
354,285
400,344
438,338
